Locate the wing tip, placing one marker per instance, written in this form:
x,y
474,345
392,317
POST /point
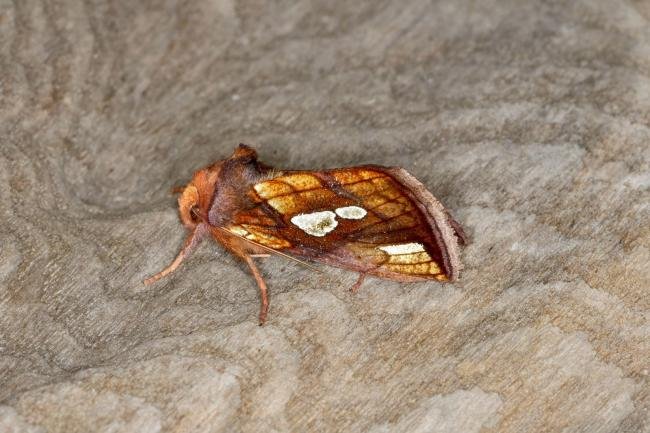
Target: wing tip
x,y
451,233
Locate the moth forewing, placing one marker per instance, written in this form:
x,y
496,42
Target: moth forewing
x,y
370,219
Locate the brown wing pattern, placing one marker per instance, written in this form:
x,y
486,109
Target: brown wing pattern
x,y
369,219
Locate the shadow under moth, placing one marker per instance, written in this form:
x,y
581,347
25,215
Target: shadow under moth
x,y
370,219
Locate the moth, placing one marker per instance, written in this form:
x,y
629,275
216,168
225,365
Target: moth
x,y
370,219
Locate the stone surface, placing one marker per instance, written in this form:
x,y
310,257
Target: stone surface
x,y
530,120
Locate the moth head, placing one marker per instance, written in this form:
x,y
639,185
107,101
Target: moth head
x,y
194,202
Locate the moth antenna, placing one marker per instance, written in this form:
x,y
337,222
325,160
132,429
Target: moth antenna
x,y
176,190
190,243
269,249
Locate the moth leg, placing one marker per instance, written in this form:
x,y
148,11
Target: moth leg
x,y
264,299
190,243
262,256
355,286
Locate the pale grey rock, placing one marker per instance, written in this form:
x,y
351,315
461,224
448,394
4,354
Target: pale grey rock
x,y
466,411
11,422
529,120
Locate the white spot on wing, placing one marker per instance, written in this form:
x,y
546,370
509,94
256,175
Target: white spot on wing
x,y
316,223
410,248
351,212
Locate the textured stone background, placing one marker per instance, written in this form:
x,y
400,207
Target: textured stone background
x,y
530,120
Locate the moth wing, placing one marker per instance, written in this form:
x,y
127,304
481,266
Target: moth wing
x,y
371,219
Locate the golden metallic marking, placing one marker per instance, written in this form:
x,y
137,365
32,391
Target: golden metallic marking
x,y
296,202
391,209
301,181
421,257
281,185
409,248
368,187
349,176
271,188
266,238
419,268
238,230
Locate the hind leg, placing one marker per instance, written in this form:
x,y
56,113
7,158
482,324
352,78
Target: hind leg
x,y
264,299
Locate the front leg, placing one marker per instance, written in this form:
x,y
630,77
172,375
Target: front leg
x,y
190,244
